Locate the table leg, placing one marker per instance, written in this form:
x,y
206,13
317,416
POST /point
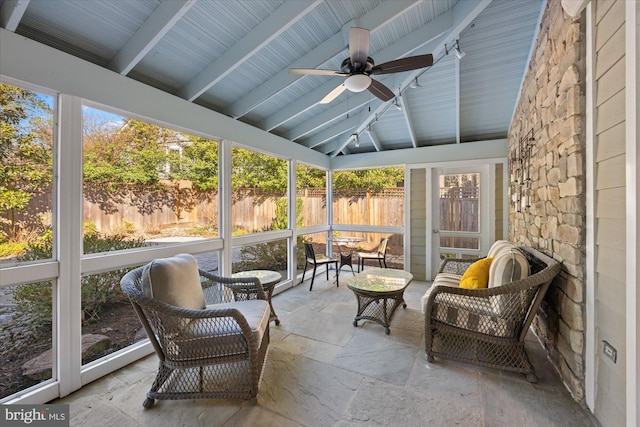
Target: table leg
x,y
272,315
376,309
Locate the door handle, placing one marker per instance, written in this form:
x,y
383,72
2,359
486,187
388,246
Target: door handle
x,y
436,231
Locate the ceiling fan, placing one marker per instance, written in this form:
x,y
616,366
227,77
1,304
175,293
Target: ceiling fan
x,y
358,68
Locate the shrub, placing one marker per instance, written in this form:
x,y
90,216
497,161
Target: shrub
x,y
11,249
34,299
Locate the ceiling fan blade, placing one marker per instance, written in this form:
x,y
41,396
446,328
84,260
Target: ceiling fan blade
x,y
358,46
333,94
404,64
381,91
313,71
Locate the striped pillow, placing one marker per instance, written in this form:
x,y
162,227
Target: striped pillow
x,y
509,266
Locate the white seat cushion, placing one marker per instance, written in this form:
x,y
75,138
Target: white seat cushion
x,y
175,281
256,313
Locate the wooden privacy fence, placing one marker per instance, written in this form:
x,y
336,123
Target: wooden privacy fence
x,y
252,209
181,205
459,212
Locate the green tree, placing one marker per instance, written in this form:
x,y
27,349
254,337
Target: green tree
x,y
310,177
199,164
371,179
133,154
255,170
26,151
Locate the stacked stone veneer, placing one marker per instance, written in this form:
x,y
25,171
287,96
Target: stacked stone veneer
x,y
552,104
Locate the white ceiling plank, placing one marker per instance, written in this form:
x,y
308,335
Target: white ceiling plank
x,y
298,107
332,132
277,22
320,120
318,56
374,139
404,105
163,19
11,13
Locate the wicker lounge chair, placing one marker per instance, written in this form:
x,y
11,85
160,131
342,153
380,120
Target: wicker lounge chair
x,y
487,327
209,344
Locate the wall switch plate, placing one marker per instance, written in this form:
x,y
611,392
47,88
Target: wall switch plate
x,y
609,351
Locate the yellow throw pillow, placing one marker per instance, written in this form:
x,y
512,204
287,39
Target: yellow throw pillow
x,y
477,275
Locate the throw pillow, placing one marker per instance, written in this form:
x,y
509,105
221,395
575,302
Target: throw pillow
x,y
477,275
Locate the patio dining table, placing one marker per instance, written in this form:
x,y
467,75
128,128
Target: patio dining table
x,y
346,246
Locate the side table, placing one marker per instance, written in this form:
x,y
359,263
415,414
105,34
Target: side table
x,y
379,292
268,280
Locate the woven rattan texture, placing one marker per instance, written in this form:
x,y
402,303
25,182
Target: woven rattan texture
x,y
209,353
487,327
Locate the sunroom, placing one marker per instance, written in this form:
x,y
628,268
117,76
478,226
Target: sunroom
x,y
138,130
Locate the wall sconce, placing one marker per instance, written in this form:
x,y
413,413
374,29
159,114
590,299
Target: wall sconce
x,y
520,172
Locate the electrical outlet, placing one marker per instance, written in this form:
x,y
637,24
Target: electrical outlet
x,y
609,351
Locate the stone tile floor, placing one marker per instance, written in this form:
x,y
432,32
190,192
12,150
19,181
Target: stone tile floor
x,y
323,371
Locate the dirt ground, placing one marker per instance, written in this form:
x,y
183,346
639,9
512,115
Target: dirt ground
x,y
118,321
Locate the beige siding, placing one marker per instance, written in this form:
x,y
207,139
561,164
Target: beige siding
x,y
418,219
610,261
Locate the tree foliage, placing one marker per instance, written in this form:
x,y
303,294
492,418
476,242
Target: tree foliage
x,y
310,177
26,149
251,169
371,179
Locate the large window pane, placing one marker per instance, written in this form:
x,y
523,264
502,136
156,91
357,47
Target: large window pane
x,y
26,174
395,248
260,185
459,202
369,197
319,241
271,255
147,184
459,210
311,197
26,329
109,322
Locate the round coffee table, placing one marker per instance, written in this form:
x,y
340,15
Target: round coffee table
x,y
268,280
379,292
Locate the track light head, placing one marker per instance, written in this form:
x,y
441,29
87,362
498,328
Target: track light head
x,y
459,53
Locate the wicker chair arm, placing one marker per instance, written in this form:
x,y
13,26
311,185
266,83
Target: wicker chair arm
x,y
456,265
476,300
242,287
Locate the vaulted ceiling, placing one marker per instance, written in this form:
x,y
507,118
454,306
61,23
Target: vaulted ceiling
x,y
233,56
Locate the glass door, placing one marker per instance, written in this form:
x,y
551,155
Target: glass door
x,y
460,226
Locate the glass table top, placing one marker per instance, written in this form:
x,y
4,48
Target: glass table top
x,y
266,277
380,280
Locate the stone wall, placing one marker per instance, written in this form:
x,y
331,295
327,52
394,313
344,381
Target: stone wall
x,y
551,105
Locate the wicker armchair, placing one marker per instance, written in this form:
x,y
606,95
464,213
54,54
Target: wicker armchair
x,y
215,350
487,327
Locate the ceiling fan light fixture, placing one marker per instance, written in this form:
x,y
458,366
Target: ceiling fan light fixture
x,y
358,82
